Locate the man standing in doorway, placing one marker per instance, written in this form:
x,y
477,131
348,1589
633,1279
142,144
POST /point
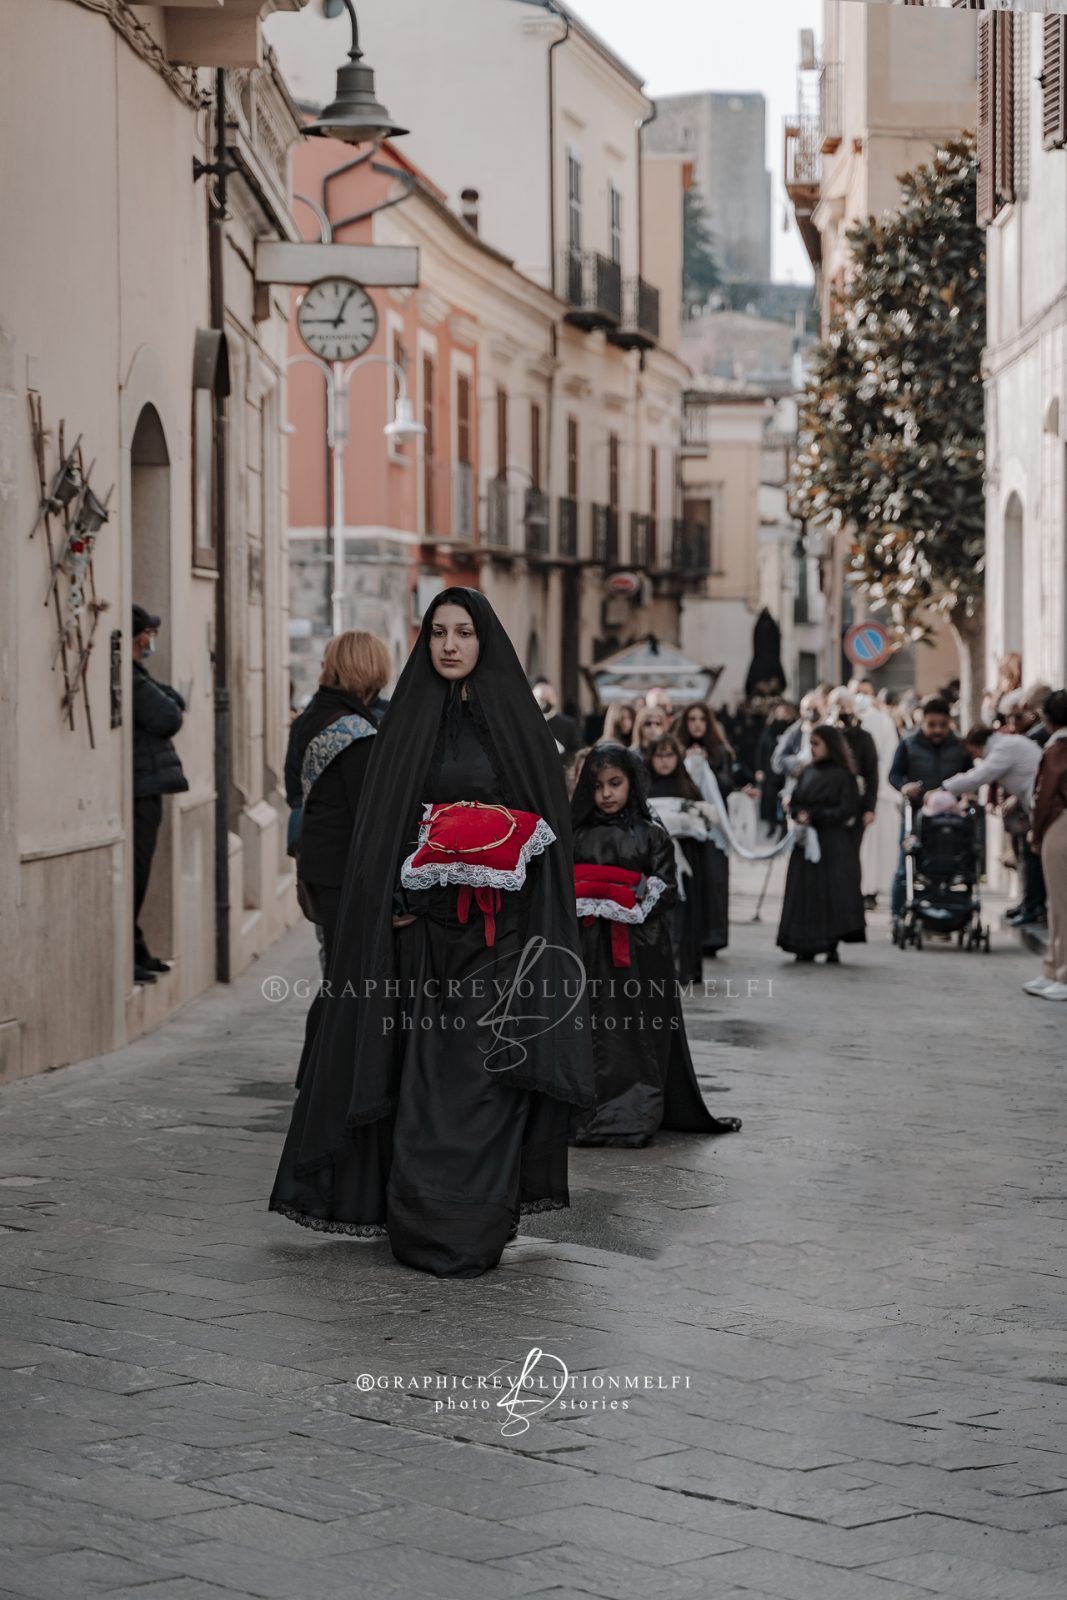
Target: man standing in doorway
x,y
157,716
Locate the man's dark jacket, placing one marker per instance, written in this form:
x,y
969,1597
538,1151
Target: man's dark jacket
x,y
865,755
157,716
919,760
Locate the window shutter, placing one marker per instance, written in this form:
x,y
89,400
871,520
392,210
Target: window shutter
x,y
986,57
1004,164
1053,82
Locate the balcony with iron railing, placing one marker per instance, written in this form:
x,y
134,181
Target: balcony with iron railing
x,y
568,528
497,529
463,500
690,548
535,522
448,499
605,536
695,427
643,529
803,176
592,288
639,328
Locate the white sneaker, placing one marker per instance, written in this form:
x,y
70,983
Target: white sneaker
x,y
1038,985
1055,991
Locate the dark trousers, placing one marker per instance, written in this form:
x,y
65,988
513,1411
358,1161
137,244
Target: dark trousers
x,y
898,894
147,815
1035,894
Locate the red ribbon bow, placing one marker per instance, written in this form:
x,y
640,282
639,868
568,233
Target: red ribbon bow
x,y
488,903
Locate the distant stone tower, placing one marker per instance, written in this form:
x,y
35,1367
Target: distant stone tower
x,y
726,136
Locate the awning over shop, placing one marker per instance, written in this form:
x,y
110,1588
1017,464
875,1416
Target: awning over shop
x,y
650,664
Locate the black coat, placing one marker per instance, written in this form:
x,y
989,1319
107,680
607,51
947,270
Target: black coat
x,y
772,783
157,716
330,812
919,760
823,901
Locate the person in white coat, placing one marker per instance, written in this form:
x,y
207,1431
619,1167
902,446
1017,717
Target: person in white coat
x,y
878,852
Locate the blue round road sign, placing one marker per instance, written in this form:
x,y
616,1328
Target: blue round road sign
x,y
867,644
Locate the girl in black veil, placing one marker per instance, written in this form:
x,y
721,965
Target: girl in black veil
x,y
626,885
437,1095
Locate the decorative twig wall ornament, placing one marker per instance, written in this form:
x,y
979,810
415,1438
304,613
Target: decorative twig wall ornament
x,y
72,515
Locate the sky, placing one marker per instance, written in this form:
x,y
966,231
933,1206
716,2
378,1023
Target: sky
x,y
679,46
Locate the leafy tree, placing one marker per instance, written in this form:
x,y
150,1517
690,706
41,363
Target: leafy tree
x,y
893,419
700,270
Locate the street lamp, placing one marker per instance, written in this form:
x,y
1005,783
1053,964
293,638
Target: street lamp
x,y
355,116
401,428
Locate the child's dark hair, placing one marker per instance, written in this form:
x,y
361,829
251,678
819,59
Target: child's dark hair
x,y
583,802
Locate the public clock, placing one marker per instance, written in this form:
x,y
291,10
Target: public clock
x,y
337,319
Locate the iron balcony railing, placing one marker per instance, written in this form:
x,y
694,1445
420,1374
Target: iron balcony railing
x,y
639,329
606,536
497,512
568,527
690,548
642,540
592,287
803,152
694,427
463,501
535,521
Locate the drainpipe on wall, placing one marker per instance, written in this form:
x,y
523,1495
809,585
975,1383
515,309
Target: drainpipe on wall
x,y
216,263
553,47
641,126
553,274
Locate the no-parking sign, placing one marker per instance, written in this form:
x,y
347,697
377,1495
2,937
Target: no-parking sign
x,y
867,644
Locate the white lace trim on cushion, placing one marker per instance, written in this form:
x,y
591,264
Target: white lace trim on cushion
x,y
611,912
436,873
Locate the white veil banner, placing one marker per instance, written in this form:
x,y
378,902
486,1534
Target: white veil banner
x,y
722,834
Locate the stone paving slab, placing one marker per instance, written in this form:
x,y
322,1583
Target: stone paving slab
x,y
865,1292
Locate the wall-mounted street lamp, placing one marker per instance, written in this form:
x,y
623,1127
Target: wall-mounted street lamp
x,y
402,428
355,116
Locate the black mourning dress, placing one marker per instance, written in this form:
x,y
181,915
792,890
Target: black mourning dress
x,y
644,1072
823,902
716,870
687,916
469,1149
422,1111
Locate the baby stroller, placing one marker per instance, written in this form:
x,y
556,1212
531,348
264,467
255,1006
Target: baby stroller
x,y
943,859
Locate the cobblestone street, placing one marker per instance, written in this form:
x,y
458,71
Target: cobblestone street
x,y
862,1293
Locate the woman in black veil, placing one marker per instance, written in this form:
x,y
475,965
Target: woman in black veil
x,y
437,1094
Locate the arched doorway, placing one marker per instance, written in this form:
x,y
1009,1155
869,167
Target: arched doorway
x,y
149,525
1013,581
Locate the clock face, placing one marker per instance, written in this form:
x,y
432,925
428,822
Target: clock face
x,y
337,319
